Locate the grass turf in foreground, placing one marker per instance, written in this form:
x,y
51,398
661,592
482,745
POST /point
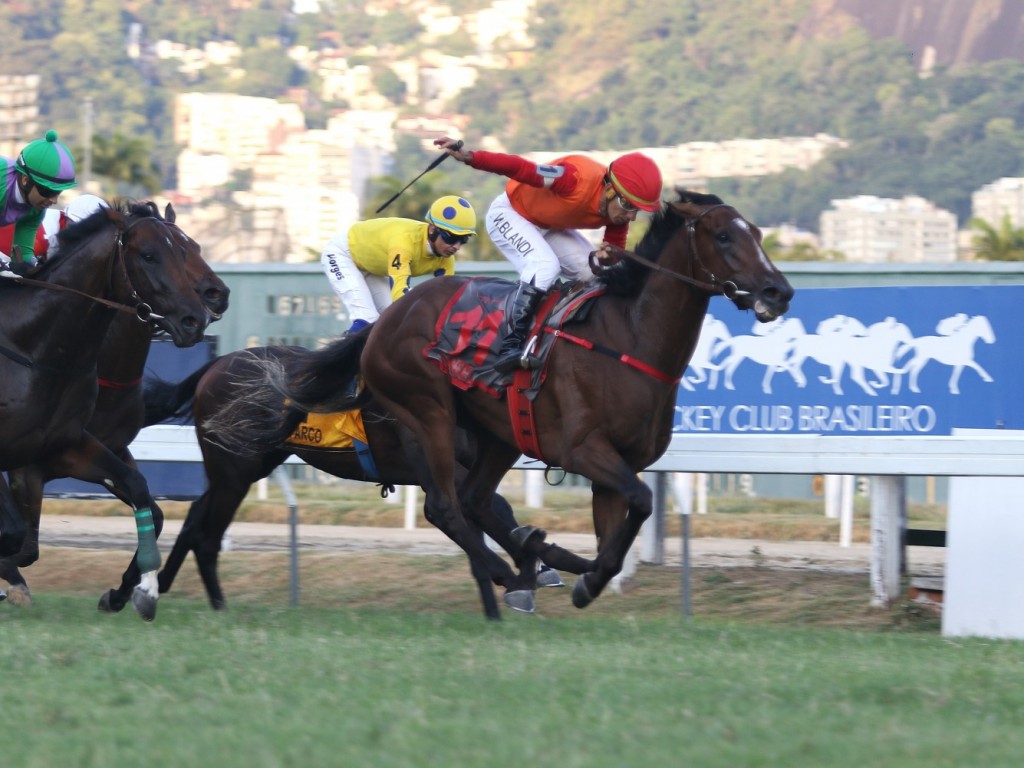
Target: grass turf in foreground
x,y
361,687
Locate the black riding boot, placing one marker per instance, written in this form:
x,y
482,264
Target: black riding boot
x,y
524,304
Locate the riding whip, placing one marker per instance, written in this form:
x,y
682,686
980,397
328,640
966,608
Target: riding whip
x,y
457,146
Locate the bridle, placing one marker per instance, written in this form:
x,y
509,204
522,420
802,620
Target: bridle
x,y
142,311
726,288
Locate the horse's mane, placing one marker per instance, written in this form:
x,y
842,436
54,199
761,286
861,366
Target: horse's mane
x,y
629,277
74,234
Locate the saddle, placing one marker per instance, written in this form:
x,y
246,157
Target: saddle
x,y
472,325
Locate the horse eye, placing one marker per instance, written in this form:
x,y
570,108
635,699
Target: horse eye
x,y
722,237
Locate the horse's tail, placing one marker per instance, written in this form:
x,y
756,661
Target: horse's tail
x,y
322,381
165,401
271,398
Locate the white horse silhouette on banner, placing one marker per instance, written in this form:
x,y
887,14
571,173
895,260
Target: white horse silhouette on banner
x,y
874,355
843,342
712,332
954,346
770,346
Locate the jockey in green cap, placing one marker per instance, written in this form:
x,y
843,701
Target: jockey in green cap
x,y
31,184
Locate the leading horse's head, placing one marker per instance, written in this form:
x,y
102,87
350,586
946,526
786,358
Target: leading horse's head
x,y
727,253
145,267
702,241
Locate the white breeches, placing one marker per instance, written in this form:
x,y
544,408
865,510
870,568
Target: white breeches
x,y
363,295
538,254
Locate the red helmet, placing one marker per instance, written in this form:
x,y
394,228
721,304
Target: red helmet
x,y
636,177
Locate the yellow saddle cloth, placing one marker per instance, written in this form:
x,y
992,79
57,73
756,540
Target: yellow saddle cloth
x,y
329,430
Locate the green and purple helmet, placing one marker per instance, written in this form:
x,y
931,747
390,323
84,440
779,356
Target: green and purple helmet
x,y
48,163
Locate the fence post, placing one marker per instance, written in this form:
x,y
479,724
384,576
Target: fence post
x,y
293,523
652,534
885,539
411,507
533,488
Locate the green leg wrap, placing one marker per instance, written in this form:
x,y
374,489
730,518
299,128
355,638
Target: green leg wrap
x,y
148,555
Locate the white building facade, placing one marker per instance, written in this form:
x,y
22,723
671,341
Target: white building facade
x,y
875,230
994,202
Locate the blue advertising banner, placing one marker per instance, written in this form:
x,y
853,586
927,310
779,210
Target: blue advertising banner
x,y
861,361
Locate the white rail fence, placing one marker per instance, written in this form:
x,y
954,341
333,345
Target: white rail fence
x,y
884,459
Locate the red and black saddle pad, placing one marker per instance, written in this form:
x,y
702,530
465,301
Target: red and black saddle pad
x,y
471,326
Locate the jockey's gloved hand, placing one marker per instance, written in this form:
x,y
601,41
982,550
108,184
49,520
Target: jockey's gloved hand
x,y
5,261
603,258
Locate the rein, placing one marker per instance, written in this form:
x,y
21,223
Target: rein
x,y
142,311
726,288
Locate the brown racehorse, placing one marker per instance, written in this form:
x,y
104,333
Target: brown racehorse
x,y
119,412
603,416
118,260
230,474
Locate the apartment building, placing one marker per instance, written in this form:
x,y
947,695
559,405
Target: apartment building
x,y
875,229
1003,197
19,112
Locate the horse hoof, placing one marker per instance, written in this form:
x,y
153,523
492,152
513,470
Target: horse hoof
x,y
549,577
144,604
110,602
581,596
20,596
3,595
521,600
525,533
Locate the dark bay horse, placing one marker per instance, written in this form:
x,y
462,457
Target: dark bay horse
x,y
118,260
119,411
603,416
230,474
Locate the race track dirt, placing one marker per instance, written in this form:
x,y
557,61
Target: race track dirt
x,y
810,583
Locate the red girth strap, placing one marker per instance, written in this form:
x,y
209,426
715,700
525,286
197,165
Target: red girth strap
x,y
520,412
640,365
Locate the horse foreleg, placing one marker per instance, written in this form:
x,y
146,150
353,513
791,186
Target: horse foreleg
x,y
89,460
26,486
13,528
617,520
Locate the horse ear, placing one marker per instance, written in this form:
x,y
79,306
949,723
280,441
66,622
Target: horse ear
x,y
687,210
116,215
169,213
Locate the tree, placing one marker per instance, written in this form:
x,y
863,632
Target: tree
x,y
1005,243
126,160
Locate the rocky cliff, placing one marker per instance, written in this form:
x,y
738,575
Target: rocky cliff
x,y
944,32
